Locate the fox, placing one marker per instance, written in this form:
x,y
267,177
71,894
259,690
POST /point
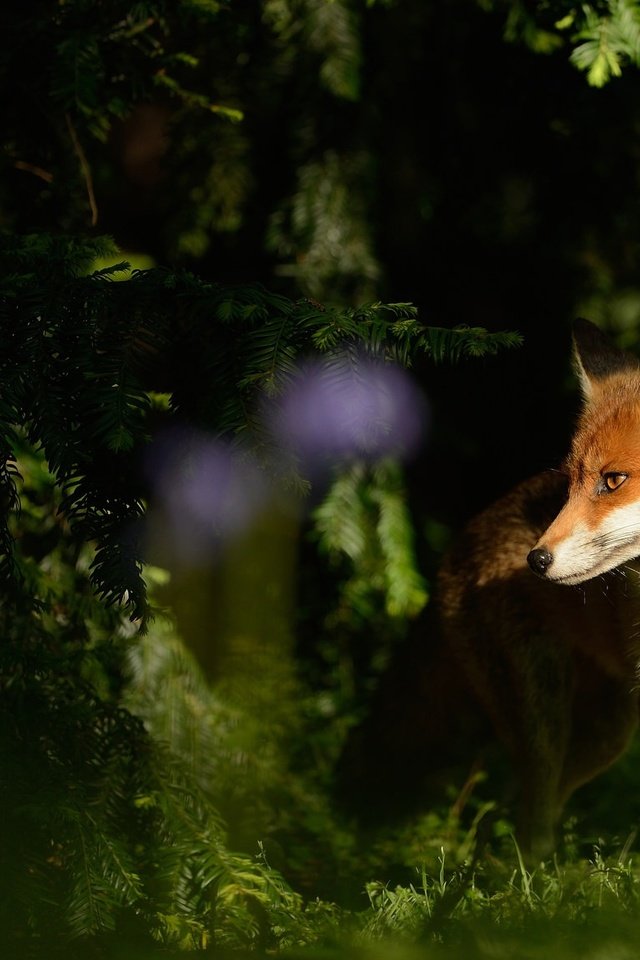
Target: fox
x,y
533,635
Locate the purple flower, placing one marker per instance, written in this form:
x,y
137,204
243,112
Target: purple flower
x,y
350,408
208,493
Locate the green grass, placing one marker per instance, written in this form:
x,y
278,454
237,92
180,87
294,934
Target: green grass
x,y
587,910
449,884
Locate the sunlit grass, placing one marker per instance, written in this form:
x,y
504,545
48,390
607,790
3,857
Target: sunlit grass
x,y
450,884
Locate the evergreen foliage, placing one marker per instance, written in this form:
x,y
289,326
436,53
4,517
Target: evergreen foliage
x,y
364,517
104,823
604,36
84,353
127,781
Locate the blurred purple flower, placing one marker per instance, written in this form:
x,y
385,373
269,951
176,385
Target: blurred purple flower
x,y
209,493
340,411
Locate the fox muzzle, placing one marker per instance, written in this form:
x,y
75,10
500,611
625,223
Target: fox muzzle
x,y
540,560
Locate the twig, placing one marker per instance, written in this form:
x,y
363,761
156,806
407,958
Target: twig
x,y
477,768
34,169
86,169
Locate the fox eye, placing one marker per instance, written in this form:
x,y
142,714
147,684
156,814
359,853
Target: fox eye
x,y
614,480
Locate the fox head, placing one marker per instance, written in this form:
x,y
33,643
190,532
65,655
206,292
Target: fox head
x,y
598,529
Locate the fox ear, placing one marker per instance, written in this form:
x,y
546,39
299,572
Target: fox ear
x,y
596,358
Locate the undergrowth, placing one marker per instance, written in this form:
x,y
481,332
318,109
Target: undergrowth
x,y
450,883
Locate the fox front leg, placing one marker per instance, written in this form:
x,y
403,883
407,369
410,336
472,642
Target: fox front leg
x,y
528,693
539,806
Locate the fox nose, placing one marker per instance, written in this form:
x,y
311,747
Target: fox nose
x,y
540,560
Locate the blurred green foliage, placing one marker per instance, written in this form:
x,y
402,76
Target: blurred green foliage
x,y
171,790
605,37
111,822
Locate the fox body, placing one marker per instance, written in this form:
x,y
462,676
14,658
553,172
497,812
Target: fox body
x,y
534,633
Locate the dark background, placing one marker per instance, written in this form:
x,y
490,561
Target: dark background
x,y
497,189
458,166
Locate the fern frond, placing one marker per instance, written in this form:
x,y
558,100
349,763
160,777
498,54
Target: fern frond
x,y
104,881
123,266
406,592
364,518
452,344
331,31
341,517
270,354
607,40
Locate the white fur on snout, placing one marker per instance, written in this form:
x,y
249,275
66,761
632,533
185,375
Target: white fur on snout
x,y
590,551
